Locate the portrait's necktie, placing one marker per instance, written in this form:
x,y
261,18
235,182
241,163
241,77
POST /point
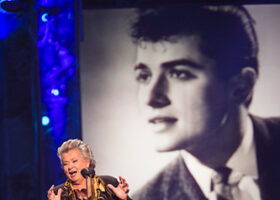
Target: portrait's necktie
x,y
229,185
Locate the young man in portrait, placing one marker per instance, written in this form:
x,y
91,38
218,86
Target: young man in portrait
x,y
196,68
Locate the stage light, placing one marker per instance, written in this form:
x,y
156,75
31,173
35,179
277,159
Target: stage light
x,y
45,120
44,17
11,5
55,92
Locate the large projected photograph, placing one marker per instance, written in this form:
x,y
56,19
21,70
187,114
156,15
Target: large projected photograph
x,y
172,95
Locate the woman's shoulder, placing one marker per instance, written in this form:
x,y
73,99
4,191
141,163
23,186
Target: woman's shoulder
x,y
66,191
56,188
110,180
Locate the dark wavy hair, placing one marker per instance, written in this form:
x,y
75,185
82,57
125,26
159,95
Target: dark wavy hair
x,y
227,32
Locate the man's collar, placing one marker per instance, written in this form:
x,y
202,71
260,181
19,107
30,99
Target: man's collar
x,y
242,160
246,152
200,172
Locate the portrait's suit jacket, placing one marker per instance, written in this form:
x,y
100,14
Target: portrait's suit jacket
x,y
175,181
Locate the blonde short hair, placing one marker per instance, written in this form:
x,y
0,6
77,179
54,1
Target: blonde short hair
x,y
81,146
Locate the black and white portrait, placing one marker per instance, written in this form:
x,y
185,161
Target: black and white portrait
x,y
171,95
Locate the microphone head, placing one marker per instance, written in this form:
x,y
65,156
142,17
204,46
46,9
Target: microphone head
x,y
84,172
91,172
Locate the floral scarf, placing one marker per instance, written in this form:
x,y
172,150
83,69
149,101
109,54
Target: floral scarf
x,y
100,190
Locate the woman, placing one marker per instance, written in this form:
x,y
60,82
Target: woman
x,y
75,156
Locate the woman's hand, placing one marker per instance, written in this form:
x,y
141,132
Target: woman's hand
x,y
121,191
51,194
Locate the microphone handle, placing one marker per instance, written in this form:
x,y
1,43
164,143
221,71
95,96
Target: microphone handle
x,y
87,185
91,187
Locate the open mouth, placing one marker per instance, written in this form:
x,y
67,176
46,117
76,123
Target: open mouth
x,y
73,173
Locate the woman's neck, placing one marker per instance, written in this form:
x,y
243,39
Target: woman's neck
x,y
80,188
79,184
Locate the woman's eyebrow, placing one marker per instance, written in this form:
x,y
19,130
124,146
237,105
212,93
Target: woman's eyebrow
x,y
185,62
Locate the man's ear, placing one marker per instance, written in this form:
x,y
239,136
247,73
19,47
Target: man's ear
x,y
241,85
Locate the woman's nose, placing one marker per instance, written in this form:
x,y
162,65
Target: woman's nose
x,y
70,166
158,97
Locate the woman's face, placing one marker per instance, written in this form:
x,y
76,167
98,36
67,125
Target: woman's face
x,y
73,163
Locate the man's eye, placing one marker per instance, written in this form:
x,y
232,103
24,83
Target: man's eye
x,y
75,161
181,74
142,76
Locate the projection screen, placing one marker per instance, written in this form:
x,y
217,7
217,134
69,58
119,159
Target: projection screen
x,y
111,124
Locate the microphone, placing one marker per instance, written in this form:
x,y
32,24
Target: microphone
x,y
91,172
88,173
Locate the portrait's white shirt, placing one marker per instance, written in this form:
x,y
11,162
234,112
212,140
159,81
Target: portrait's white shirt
x,y
243,160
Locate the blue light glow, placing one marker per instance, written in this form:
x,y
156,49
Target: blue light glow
x,y
55,92
57,61
44,17
45,120
57,58
8,24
